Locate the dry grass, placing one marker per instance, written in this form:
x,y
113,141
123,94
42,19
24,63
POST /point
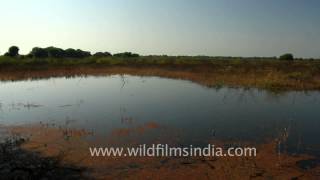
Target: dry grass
x,y
266,78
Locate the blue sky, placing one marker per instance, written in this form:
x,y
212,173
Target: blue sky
x,y
173,27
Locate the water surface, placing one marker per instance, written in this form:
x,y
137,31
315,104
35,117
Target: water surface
x,y
154,107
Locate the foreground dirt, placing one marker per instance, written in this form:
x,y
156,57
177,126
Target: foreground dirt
x,y
18,163
72,148
265,78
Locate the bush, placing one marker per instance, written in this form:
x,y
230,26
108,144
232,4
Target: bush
x,y
58,53
55,52
12,52
287,57
72,53
126,54
39,52
102,54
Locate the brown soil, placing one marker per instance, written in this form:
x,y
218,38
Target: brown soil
x,y
70,146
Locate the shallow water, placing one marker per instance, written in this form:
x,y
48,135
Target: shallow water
x,y
153,109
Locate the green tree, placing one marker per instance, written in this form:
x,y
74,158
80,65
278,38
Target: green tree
x,y
287,57
102,54
55,52
13,51
39,52
72,53
126,54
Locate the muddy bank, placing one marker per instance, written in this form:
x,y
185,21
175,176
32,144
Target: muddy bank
x,y
268,164
271,78
19,163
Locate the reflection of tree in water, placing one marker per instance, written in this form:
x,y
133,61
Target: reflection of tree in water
x,y
294,95
124,81
290,139
274,96
247,94
1,111
124,119
19,106
240,94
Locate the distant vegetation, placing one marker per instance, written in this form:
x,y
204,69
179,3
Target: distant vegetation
x,y
52,56
126,54
102,54
284,72
70,53
287,57
12,52
54,52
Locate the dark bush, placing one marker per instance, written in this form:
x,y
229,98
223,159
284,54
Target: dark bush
x,y
102,54
72,53
39,52
13,51
126,54
58,53
287,57
55,52
83,54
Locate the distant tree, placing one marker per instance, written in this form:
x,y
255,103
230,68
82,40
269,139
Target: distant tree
x,y
72,53
55,52
39,52
126,54
83,54
13,51
102,54
287,57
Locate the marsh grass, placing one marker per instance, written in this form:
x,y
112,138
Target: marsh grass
x,y
209,71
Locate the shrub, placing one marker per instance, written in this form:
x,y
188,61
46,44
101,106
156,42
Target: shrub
x,y
58,53
55,52
287,57
72,53
126,54
12,52
39,53
102,54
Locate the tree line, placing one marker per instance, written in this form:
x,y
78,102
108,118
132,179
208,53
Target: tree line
x,y
54,52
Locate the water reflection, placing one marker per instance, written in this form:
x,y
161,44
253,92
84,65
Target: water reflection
x,y
125,106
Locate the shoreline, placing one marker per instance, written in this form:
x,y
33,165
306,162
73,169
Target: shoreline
x,y
268,78
42,141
